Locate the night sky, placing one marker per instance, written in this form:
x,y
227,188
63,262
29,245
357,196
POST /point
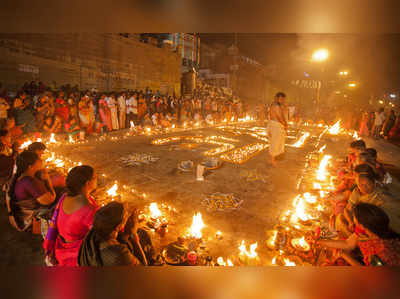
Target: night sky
x,y
373,60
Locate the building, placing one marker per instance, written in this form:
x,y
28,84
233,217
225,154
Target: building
x,y
225,66
102,61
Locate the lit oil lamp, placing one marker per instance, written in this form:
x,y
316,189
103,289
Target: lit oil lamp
x,y
301,141
52,138
197,226
335,129
26,144
322,172
248,257
112,192
218,235
156,221
301,244
311,199
271,242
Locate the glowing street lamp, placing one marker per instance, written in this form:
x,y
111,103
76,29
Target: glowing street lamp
x,y
320,55
343,73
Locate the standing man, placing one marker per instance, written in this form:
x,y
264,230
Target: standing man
x,y
132,109
379,119
277,127
122,110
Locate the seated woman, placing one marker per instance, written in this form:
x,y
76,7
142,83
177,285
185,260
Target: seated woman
x,y
15,131
29,194
72,218
72,127
57,178
111,240
378,243
51,126
365,192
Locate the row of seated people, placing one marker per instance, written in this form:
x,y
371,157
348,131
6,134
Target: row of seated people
x,y
79,231
364,213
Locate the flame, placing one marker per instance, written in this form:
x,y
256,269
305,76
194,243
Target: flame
x,y
317,186
218,234
197,226
52,139
154,210
51,158
252,253
321,173
232,118
113,190
229,262
302,243
60,164
289,263
300,210
355,135
221,261
310,198
71,139
173,126
320,208
132,125
321,150
272,240
148,129
274,261
38,139
26,144
335,129
302,139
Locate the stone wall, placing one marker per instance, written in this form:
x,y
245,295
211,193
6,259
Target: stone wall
x,y
103,61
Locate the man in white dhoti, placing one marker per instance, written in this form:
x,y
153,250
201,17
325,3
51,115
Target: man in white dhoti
x,y
277,126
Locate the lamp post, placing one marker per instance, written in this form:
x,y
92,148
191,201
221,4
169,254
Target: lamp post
x,y
320,56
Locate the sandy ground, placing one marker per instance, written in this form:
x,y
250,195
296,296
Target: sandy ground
x,y
263,202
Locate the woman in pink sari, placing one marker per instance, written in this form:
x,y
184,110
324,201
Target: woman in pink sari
x,y
72,218
105,113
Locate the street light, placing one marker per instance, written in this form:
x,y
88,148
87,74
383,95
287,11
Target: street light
x,y
343,73
320,55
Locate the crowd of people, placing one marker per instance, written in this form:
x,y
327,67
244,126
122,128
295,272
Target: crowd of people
x,y
37,108
81,233
363,212
380,124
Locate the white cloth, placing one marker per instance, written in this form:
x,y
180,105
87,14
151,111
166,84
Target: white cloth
x,y
277,136
379,118
131,105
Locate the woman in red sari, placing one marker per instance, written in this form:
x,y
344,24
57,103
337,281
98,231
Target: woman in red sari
x,y
105,113
72,218
378,243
